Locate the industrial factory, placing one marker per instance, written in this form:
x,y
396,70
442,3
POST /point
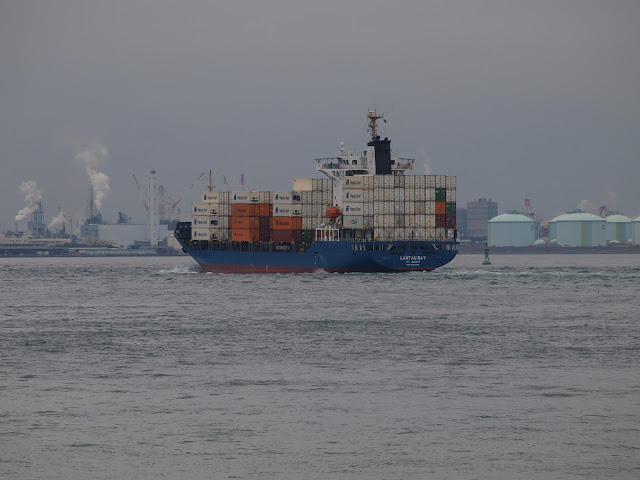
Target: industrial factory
x,y
94,235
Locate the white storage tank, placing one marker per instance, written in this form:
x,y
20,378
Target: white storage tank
x,y
578,230
512,230
635,229
618,228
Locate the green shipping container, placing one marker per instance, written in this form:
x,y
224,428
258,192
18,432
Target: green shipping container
x,y
307,236
441,194
451,209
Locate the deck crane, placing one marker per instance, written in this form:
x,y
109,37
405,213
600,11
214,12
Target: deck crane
x,y
174,203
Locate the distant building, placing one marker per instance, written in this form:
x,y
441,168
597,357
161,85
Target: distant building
x,y
126,235
578,229
461,220
513,230
618,229
478,215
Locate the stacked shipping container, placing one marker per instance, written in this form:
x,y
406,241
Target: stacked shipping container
x,y
399,207
374,207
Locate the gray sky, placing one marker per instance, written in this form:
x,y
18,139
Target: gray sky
x,y
532,99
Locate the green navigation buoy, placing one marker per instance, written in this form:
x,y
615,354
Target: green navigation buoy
x,y
486,255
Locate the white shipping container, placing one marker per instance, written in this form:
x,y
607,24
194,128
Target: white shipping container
x,y
296,210
398,208
430,233
431,194
409,181
240,197
421,195
409,195
368,208
430,221
431,181
265,197
219,234
431,208
200,209
410,207
368,195
282,209
200,233
303,184
356,181
451,195
368,221
200,221
353,221
353,208
282,197
451,183
223,209
352,195
368,182
210,197
398,194
225,198
420,208
398,181
441,233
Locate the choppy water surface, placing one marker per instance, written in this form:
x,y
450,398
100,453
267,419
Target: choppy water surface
x,y
148,368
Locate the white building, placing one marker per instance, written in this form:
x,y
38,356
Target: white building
x,y
618,228
635,230
578,230
513,230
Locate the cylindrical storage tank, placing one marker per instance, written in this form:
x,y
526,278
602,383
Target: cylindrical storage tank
x,y
635,228
512,230
618,228
579,230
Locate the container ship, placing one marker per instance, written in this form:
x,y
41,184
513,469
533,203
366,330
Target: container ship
x,y
370,214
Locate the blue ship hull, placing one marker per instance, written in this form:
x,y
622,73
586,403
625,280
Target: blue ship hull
x,y
342,256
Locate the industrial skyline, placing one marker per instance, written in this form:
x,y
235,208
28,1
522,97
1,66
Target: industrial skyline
x,y
517,99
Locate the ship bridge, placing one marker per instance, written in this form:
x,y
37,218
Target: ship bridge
x,y
377,159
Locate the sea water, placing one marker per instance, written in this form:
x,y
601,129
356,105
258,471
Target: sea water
x,y
148,368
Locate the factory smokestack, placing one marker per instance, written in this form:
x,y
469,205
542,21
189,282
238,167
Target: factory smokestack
x,y
32,195
90,158
153,209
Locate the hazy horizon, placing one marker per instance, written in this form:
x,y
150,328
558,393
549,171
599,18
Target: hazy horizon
x,y
519,100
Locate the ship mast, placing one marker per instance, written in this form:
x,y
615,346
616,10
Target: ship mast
x,y
373,118
211,185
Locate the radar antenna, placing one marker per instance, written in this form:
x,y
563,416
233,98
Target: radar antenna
x,y
373,118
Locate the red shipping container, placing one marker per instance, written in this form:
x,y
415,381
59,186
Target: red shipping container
x,y
451,221
264,223
441,209
265,235
242,210
283,236
441,221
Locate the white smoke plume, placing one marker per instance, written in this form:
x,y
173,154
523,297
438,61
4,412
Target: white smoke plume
x,y
57,220
586,206
32,195
612,198
91,158
427,162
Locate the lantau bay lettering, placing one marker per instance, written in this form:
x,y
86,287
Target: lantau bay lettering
x,y
413,257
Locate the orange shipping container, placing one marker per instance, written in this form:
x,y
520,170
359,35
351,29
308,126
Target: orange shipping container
x,y
244,222
242,210
244,235
286,223
441,208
